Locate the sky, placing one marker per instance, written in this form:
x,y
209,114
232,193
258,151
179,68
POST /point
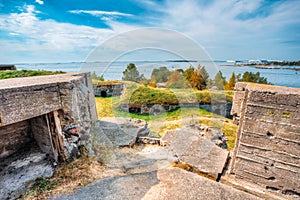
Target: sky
x,y
35,31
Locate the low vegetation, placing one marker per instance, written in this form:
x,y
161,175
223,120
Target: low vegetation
x,y
136,93
191,78
158,124
26,73
68,178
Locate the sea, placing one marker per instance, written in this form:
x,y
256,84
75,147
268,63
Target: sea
x,y
278,75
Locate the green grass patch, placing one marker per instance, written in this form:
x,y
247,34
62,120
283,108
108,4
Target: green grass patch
x,y
158,124
26,73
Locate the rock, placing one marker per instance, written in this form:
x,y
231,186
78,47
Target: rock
x,y
120,131
162,184
18,172
215,136
197,151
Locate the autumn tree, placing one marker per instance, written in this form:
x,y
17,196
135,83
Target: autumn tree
x,y
152,82
187,74
197,78
132,74
231,82
176,80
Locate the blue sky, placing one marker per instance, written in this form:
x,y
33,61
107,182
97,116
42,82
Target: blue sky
x,y
65,30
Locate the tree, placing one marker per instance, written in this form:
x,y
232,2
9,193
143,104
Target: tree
x,y
132,74
187,74
176,80
219,81
231,82
197,81
197,78
152,82
251,77
204,74
161,75
96,77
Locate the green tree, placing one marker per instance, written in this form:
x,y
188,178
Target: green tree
x,y
253,77
204,74
132,74
96,77
231,82
219,81
161,75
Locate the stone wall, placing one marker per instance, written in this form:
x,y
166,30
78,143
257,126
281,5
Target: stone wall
x,y
267,151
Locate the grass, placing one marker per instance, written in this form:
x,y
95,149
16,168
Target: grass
x,y
135,93
69,178
26,73
158,124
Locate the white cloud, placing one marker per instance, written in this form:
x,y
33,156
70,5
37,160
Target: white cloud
x,y
48,35
218,24
98,13
39,2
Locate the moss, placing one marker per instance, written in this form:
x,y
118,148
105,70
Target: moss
x,y
286,115
272,113
136,93
26,73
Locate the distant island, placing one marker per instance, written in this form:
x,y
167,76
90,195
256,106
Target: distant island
x,y
263,63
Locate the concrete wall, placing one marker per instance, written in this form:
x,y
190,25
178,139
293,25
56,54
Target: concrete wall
x,y
222,109
14,137
26,100
267,152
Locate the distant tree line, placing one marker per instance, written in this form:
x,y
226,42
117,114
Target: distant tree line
x,y
196,78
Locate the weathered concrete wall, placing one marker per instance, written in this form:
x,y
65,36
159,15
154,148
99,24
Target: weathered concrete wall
x,y
222,109
267,152
104,90
14,137
40,133
29,98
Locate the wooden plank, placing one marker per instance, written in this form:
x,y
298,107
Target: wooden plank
x,y
59,133
54,150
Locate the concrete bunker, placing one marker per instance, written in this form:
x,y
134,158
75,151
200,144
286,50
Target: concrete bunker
x,y
45,121
266,155
43,132
107,89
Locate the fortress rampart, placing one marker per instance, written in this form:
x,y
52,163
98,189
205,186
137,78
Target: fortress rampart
x,y
267,150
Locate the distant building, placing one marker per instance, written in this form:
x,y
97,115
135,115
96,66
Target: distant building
x,y
8,67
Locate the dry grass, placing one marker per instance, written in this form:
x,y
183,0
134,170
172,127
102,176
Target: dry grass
x,y
70,178
189,168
